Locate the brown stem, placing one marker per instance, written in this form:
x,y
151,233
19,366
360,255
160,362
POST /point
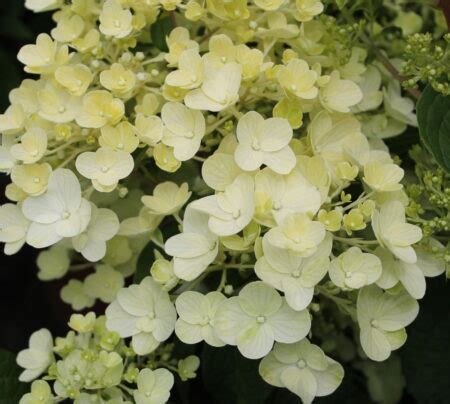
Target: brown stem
x,y
173,19
445,6
395,73
208,35
389,66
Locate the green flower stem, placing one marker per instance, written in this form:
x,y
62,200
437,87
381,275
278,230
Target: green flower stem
x,y
198,158
217,123
178,219
381,57
344,305
156,242
355,241
81,267
219,267
360,199
65,145
126,389
223,281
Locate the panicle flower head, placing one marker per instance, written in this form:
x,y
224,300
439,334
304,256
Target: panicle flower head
x,y
217,170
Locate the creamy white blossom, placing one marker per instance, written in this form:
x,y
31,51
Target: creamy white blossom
x,y
382,319
13,228
105,167
193,249
411,275
196,317
153,386
302,368
37,357
297,233
219,89
279,196
167,199
104,283
184,129
115,20
394,233
256,318
143,312
231,210
264,142
354,269
293,274
58,213
102,227
32,146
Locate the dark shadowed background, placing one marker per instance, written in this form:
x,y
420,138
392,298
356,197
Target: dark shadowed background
x,y
27,304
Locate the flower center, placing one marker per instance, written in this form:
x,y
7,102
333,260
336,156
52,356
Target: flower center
x,y
296,273
277,205
104,169
256,145
36,180
260,319
65,215
301,364
146,324
236,214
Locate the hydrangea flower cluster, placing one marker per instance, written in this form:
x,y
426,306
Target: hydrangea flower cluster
x,y
245,147
90,364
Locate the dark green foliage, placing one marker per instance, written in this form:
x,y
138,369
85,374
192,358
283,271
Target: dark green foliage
x,y
159,31
11,390
425,356
231,378
433,114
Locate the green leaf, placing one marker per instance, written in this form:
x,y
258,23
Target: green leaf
x,y
433,115
11,390
341,3
231,378
10,76
385,380
188,172
159,31
425,356
144,262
